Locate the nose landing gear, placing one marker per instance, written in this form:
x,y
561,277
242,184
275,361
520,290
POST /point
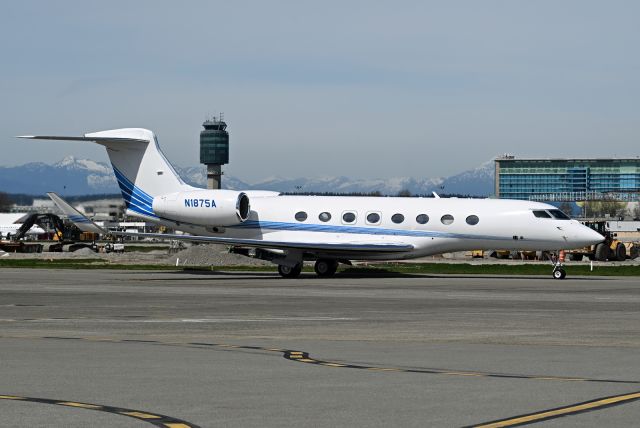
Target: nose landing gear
x,y
558,266
559,273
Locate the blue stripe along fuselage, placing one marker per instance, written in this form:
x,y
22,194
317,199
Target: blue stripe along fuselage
x,y
253,224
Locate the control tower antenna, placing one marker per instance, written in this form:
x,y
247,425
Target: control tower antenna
x,y
214,149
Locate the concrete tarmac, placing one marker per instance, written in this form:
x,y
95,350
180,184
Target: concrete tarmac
x,y
131,349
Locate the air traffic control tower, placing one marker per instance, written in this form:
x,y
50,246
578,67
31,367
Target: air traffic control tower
x,y
214,150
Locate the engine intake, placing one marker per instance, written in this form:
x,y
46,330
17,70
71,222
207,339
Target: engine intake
x,y
204,207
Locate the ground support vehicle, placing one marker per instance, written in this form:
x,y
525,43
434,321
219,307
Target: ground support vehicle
x,y
611,248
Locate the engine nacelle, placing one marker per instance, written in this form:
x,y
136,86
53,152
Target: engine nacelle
x,y
205,207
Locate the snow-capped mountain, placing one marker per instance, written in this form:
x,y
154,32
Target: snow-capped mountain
x,y
72,176
343,184
70,162
475,182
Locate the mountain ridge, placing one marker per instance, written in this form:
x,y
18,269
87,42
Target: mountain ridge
x,y
73,176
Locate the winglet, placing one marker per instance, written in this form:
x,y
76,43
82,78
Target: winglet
x,y
82,222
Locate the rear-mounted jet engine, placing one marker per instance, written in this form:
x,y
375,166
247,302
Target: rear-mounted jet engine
x,y
208,207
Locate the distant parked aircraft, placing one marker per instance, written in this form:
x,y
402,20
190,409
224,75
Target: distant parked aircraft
x,y
10,225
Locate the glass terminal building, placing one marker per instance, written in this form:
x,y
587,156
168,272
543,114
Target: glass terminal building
x,y
567,179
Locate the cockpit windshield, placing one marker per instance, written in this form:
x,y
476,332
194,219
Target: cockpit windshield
x,y
541,214
559,215
556,214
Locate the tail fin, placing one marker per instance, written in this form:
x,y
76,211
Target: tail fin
x,y
141,168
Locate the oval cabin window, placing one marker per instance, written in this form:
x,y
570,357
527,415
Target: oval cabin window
x,y
301,216
397,218
422,219
373,218
325,216
446,219
348,217
473,220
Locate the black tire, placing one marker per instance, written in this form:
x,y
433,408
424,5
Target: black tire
x,y
620,252
559,274
290,272
575,257
325,267
602,252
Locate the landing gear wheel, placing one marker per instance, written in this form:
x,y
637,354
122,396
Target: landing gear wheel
x,y
559,274
290,272
325,267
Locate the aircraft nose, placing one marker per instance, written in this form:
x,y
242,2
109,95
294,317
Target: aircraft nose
x,y
589,236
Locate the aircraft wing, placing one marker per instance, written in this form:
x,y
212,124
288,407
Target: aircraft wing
x,y
343,247
87,225
82,222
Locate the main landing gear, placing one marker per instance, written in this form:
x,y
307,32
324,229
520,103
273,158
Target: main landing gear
x,y
324,268
290,272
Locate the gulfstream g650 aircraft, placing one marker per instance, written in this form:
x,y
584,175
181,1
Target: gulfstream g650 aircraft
x,y
290,229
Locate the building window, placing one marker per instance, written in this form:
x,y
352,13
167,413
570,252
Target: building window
x,y
422,219
325,217
472,220
446,219
397,218
301,216
373,218
349,217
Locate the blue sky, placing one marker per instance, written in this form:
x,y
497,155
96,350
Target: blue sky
x,y
326,88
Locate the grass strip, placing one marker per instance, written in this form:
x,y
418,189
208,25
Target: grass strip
x,y
377,269
493,269
76,264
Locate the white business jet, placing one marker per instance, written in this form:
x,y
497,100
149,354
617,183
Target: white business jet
x,y
287,230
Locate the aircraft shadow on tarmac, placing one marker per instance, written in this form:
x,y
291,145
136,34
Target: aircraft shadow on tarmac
x,y
190,275
206,275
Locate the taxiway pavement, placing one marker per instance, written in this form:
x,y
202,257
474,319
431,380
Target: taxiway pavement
x,y
177,349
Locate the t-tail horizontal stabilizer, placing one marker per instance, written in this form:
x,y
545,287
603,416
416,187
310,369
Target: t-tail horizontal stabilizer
x,y
82,222
138,163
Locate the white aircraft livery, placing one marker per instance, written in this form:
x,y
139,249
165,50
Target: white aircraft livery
x,y
330,230
9,230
